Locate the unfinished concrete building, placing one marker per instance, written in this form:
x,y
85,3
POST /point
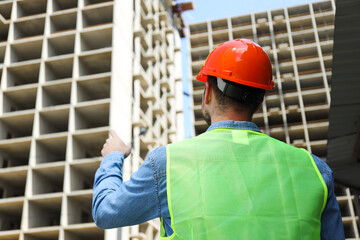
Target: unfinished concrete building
x,y
299,42
71,70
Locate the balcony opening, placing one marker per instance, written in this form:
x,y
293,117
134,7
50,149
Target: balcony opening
x,y
16,126
97,16
56,94
25,51
48,180
59,5
18,100
44,212
29,28
88,145
95,63
14,155
59,69
79,209
90,2
61,45
92,116
82,175
87,233
24,74
54,121
33,7
51,149
10,216
50,235
63,22
12,183
91,40
93,89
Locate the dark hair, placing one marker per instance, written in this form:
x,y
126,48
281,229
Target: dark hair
x,y
251,99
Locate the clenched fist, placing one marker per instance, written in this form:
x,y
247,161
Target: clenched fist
x,y
115,144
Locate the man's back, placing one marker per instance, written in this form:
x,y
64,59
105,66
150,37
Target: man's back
x,y
232,183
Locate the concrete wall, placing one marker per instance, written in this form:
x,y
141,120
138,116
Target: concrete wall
x,y
70,71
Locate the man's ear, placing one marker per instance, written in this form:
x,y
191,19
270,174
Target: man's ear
x,y
207,93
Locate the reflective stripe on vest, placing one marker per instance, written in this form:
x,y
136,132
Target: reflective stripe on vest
x,y
240,184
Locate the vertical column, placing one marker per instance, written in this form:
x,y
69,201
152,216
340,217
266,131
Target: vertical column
x,y
138,74
75,75
178,89
333,6
7,57
28,188
121,84
32,158
71,123
264,107
321,59
10,39
278,77
297,79
357,208
253,25
189,79
229,23
210,38
352,213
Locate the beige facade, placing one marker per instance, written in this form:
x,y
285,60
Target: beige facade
x,y
71,70
299,42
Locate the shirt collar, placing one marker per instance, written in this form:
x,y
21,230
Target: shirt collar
x,y
235,124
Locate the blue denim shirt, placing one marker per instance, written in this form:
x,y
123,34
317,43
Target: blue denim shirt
x,y
143,197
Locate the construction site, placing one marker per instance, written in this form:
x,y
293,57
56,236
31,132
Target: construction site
x,y
70,70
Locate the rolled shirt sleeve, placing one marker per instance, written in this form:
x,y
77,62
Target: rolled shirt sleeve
x,y
117,203
331,221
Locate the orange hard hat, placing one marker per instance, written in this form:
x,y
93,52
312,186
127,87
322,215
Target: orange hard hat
x,y
240,61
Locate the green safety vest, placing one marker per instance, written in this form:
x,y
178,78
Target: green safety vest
x,y
241,184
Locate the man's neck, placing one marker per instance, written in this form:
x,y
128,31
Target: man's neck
x,y
231,116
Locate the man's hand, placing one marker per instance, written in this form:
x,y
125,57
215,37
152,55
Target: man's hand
x,y
115,144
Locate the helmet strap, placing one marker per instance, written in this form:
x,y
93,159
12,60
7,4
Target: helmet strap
x,y
231,90
236,92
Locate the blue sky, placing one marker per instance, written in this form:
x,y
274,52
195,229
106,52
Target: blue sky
x,y
215,9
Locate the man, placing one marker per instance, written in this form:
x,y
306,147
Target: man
x,y
232,182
